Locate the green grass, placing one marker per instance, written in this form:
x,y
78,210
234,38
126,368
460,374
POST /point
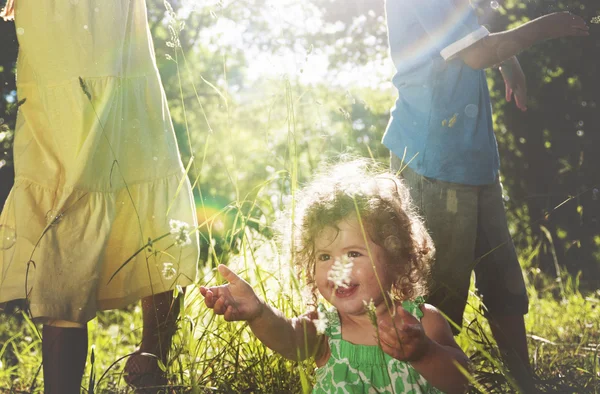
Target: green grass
x,y
210,355
258,166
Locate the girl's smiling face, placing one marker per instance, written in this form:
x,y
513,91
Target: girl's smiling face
x,y
369,275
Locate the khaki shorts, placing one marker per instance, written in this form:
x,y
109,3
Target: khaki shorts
x,y
470,233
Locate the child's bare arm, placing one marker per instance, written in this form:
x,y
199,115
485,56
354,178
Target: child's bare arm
x,y
428,345
438,364
295,339
499,47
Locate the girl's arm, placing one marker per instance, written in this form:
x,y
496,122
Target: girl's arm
x,y
438,363
295,339
428,345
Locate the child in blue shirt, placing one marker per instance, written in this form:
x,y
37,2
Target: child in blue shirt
x,y
441,139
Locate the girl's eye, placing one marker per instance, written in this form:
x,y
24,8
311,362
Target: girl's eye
x,y
353,255
324,257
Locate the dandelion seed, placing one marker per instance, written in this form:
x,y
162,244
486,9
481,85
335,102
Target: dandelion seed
x,y
169,271
494,5
180,231
596,20
595,194
321,323
340,272
20,31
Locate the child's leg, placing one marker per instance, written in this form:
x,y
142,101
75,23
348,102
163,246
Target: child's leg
x,y
160,314
502,287
64,350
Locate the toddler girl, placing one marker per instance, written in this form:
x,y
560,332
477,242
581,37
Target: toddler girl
x,y
362,248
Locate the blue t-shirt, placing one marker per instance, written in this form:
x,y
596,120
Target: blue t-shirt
x,y
442,121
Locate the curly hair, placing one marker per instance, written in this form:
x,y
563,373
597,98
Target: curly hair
x,y
389,218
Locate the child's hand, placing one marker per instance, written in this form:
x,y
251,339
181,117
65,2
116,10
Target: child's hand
x,y
515,82
235,300
564,24
408,342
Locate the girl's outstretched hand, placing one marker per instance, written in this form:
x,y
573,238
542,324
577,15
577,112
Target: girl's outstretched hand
x,y
407,341
235,300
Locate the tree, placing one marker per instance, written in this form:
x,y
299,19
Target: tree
x,y
549,153
242,130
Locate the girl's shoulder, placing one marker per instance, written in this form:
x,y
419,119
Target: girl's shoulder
x,y
436,326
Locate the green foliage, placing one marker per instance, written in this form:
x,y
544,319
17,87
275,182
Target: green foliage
x,y
211,355
251,141
548,153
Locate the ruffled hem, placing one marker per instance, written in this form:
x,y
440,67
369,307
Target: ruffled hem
x,y
65,250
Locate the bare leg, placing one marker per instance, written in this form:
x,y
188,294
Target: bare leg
x,y
509,332
160,314
64,351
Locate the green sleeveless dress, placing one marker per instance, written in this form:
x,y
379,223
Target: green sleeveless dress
x,y
366,369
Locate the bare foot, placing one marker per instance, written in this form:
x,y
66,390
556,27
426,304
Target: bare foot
x,y
143,373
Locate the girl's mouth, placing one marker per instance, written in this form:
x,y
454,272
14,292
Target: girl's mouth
x,y
343,292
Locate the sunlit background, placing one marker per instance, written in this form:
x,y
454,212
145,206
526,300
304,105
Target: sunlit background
x,y
261,92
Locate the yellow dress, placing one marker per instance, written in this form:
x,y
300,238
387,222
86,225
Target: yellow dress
x,y
98,172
